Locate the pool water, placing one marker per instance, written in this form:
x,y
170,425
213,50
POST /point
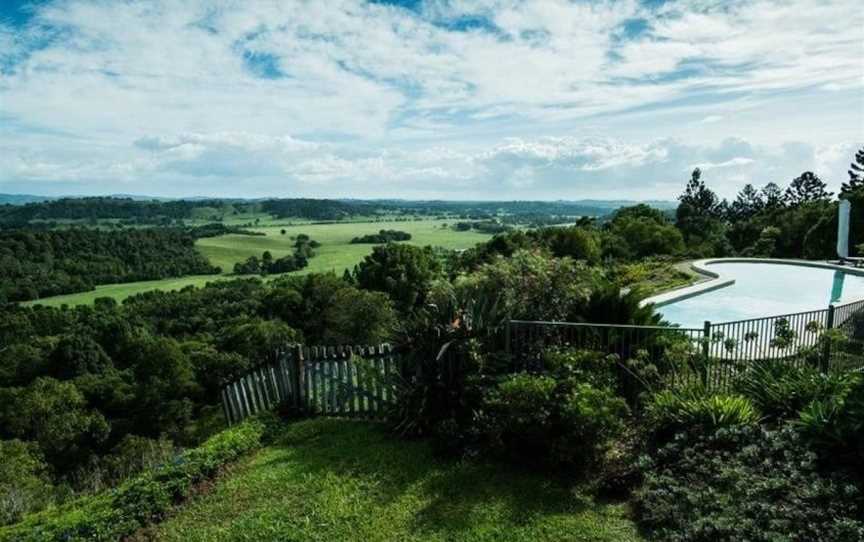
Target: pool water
x,y
763,289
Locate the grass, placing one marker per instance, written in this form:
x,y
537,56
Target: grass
x,y
329,479
336,253
122,291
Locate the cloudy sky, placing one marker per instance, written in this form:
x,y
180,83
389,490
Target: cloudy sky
x,y
488,99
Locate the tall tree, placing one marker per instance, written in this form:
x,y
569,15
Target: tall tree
x,y
773,196
698,208
748,203
856,175
805,188
404,272
698,197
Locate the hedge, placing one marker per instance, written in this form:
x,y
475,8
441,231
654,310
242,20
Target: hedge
x,y
120,512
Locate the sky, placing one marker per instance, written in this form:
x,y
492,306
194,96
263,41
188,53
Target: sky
x,y
418,99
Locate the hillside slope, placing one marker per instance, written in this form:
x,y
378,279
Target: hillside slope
x,y
347,480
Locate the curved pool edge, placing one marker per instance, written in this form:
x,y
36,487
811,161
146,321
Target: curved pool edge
x,y
717,281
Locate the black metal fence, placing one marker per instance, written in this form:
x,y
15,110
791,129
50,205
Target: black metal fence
x,y
713,354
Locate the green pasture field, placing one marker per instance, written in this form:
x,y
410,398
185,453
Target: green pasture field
x,y
336,253
122,291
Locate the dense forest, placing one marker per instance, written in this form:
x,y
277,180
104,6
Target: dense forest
x,y
41,263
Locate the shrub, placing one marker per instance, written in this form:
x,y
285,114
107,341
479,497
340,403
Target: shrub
x,y
630,378
118,513
559,421
780,390
693,409
585,365
24,482
745,483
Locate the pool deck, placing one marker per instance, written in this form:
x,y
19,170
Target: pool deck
x,y
715,281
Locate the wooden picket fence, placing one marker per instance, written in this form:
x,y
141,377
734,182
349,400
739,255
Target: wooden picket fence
x,y
323,380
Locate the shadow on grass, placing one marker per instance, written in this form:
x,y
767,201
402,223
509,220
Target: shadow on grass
x,y
453,496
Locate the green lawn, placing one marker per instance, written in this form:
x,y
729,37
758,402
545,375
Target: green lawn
x,y
335,254
329,480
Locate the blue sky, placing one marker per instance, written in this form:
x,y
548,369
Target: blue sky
x,y
458,99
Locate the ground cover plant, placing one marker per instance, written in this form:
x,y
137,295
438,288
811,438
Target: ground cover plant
x,y
746,483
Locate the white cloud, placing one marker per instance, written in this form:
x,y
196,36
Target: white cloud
x,y
375,95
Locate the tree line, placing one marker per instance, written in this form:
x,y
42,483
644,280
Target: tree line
x,y
133,211
304,248
383,236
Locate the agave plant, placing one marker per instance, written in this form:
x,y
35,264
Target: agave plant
x,y
693,407
780,390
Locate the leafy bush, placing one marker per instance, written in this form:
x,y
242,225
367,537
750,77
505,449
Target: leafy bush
x,y
745,483
585,365
561,421
118,513
780,390
631,378
695,410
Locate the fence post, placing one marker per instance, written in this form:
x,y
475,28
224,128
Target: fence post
x,y
826,348
706,352
299,377
226,411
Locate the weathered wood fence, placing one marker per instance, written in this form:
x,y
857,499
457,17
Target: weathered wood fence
x,y
324,380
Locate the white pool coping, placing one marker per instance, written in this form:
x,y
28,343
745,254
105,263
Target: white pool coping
x,y
717,280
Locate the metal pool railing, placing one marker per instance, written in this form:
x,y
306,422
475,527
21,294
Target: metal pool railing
x,y
769,338
715,353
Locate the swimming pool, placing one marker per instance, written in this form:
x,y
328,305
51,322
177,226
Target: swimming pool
x,y
764,289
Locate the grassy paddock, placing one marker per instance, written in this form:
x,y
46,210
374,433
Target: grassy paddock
x,y
122,291
336,253
347,480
